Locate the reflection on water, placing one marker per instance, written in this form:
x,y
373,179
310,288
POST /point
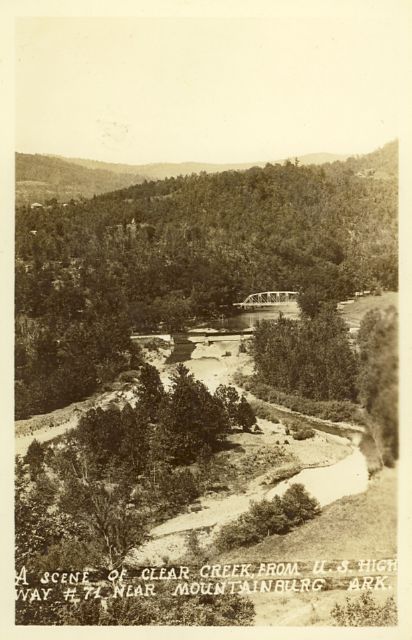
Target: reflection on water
x,y
183,347
247,319
182,350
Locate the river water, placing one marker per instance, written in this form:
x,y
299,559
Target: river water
x,y
183,347
327,484
248,319
348,476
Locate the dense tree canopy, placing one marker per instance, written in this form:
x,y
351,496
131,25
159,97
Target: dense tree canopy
x,y
310,357
161,253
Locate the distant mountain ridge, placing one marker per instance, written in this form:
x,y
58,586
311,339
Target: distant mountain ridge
x,y
40,178
160,170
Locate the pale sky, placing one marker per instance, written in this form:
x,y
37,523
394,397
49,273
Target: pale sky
x,y
142,90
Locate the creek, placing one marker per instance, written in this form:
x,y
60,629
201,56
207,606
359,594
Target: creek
x,y
346,477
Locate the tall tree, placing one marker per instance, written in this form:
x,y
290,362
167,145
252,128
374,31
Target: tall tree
x,y
190,419
150,391
378,377
245,415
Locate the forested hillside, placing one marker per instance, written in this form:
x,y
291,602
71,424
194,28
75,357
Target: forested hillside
x,y
41,178
169,251
382,163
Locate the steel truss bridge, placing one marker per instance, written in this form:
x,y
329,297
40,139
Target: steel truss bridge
x,y
267,299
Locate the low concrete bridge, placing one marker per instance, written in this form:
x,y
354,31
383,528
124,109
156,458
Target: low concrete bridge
x,y
267,299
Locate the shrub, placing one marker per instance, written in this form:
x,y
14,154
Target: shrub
x,y
165,609
268,517
193,547
152,345
365,612
155,344
333,410
264,411
245,415
22,407
35,458
176,488
68,554
298,505
303,434
388,459
129,376
136,355
237,534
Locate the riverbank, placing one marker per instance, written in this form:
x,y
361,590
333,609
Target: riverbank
x,y
246,461
354,527
47,426
267,456
345,467
353,314
252,467
356,521
227,359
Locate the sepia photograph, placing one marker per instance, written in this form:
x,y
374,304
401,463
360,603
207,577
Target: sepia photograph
x,y
206,317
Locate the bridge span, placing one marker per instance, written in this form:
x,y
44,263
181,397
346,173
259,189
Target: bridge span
x,y
267,299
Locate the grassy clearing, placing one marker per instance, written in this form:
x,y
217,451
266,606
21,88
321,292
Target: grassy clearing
x,y
354,313
356,527
361,526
